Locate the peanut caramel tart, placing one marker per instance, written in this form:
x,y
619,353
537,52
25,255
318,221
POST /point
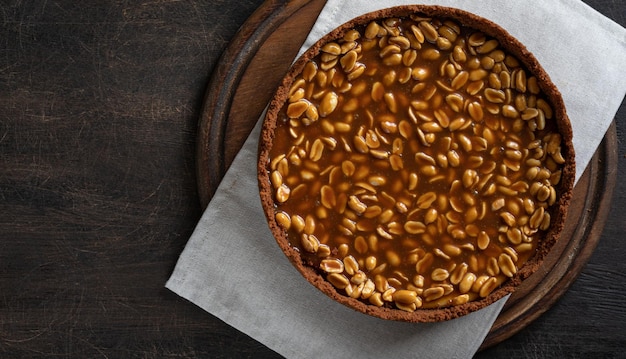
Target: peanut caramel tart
x,y
416,164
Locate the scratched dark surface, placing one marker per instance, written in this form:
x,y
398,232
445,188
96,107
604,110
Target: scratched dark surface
x,y
98,109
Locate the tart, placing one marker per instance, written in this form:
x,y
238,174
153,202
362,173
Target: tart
x,y
416,163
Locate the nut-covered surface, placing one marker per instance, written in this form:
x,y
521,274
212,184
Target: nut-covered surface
x,y
416,164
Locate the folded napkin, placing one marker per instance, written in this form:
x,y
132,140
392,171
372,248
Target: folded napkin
x,y
232,268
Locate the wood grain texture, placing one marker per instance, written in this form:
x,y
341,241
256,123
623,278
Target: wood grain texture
x,y
99,109
99,106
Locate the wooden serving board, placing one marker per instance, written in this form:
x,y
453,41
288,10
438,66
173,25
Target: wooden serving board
x,y
244,81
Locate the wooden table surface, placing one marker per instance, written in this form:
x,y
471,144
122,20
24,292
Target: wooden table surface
x,y
99,103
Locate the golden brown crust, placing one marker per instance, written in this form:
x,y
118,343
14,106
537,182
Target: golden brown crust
x,y
564,190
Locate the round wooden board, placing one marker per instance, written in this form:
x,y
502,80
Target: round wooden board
x,y
244,81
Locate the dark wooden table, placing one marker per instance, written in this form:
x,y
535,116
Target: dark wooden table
x,y
99,103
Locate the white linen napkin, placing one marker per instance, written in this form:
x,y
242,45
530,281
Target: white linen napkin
x,y
232,268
